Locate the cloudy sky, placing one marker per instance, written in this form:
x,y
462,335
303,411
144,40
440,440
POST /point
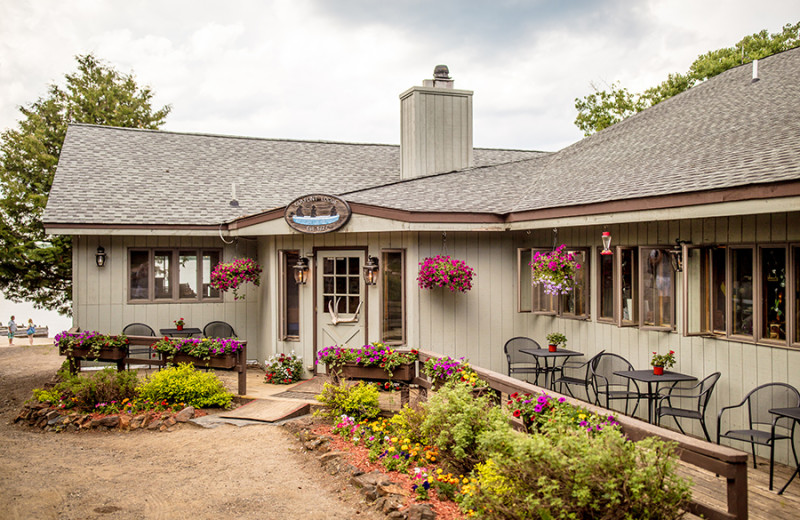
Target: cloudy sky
x,y
333,69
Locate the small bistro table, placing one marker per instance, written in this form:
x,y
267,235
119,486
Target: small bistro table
x,y
791,413
186,332
652,380
545,354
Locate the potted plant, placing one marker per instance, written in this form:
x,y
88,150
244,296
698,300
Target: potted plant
x,y
283,369
372,361
230,275
443,271
91,345
555,270
556,340
662,361
207,352
179,324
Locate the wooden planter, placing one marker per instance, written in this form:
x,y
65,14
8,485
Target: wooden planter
x,y
224,361
105,354
403,372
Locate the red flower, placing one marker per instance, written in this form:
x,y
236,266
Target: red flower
x,y
517,413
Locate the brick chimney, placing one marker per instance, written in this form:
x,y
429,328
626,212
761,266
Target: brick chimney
x,y
435,127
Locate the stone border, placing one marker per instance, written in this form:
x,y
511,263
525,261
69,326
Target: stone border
x,y
382,494
49,419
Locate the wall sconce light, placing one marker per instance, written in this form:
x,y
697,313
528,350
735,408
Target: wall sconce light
x,y
371,271
676,255
100,256
606,236
301,271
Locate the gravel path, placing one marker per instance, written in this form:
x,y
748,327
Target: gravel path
x,y
257,472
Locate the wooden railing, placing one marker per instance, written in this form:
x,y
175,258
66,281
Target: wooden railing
x,y
720,460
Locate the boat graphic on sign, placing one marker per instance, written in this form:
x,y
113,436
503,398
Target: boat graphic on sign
x,y
317,213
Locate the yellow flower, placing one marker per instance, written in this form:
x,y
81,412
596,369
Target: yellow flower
x,y
394,439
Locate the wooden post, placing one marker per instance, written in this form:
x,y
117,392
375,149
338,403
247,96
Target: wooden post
x,y
241,366
737,492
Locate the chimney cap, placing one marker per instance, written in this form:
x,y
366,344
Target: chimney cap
x,y
441,72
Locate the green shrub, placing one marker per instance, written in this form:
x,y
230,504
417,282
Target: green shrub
x,y
85,391
455,421
359,401
407,423
185,384
574,475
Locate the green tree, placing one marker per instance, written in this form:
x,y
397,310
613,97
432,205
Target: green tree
x,y
34,266
603,108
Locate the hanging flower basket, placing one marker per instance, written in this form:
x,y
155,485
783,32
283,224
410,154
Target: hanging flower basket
x,y
555,270
230,275
443,271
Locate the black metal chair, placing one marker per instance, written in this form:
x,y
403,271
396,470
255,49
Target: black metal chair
x,y
762,425
519,362
218,329
699,393
577,373
611,386
139,329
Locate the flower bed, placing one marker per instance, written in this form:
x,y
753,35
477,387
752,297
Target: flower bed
x,y
283,369
383,362
209,352
91,345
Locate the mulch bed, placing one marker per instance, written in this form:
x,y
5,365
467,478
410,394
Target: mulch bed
x,y
358,456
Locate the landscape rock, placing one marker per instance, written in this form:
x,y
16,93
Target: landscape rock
x,y
421,512
185,414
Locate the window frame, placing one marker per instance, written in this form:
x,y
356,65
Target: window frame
x,y
284,272
792,307
175,253
616,289
729,306
586,267
404,300
621,321
759,296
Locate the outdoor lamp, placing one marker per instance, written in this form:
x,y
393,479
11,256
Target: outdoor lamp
x,y
301,271
100,256
371,271
606,243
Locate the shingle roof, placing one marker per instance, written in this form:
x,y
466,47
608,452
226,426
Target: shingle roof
x,y
725,132
110,175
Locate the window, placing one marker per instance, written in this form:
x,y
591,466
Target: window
x,y
176,275
705,301
628,262
742,291
773,293
289,302
574,304
532,298
657,305
394,322
795,308
605,287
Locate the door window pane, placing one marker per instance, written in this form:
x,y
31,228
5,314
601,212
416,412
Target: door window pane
x,y
742,291
773,283
162,274
658,288
187,269
140,275
393,304
606,286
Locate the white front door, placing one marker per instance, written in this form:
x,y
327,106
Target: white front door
x,y
341,306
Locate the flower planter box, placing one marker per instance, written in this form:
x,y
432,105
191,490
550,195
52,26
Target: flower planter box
x,y
404,372
224,361
104,354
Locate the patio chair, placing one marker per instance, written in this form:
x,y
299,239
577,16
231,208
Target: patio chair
x,y
519,362
139,329
218,329
577,373
606,384
699,393
763,427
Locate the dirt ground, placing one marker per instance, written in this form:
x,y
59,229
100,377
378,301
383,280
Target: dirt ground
x,y
257,472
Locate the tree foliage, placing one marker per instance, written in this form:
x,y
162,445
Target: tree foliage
x,y
34,266
603,108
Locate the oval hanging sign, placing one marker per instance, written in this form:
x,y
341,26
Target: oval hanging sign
x,y
317,213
